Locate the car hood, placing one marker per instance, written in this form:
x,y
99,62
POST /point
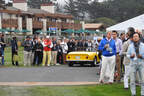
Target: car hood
x,y
79,52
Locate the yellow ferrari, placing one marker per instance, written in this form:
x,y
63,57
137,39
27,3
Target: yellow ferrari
x,y
82,58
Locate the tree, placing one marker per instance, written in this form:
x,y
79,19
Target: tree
x,y
82,6
2,2
70,8
78,8
59,8
104,20
119,10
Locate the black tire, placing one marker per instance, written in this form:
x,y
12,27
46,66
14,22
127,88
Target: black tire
x,y
81,64
94,63
70,64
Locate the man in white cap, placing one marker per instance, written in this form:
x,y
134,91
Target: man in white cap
x,y
47,44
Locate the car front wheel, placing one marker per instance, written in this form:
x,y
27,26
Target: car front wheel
x,y
70,64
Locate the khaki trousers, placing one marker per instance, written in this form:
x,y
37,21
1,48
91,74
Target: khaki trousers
x,y
54,57
118,67
46,58
32,57
64,58
27,58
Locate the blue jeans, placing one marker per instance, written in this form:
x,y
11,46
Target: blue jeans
x,y
134,68
2,62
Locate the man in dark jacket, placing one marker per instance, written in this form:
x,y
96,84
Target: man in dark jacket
x,y
80,45
27,51
59,53
14,48
2,46
38,53
71,45
85,45
34,41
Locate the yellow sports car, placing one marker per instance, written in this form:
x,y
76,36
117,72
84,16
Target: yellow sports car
x,y
82,58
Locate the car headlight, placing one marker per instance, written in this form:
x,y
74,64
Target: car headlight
x,y
68,57
87,57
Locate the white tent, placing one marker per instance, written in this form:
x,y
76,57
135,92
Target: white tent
x,y
136,22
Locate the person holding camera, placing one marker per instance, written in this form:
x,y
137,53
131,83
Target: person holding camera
x,y
136,55
47,44
108,48
54,51
27,51
38,53
64,49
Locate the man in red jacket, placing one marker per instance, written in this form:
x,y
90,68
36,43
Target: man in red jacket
x,y
47,44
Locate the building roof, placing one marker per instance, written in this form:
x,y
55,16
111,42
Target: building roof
x,y
19,1
2,6
39,11
12,8
34,11
93,25
47,4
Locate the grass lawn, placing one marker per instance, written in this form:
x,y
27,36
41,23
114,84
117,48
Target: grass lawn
x,y
89,90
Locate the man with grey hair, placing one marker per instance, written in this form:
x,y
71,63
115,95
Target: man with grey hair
x,y
108,48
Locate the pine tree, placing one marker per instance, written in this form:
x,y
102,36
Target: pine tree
x,y
82,6
2,2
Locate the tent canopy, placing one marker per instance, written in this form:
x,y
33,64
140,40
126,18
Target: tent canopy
x,y
136,22
68,31
39,31
25,31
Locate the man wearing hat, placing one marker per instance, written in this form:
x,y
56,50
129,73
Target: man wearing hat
x,y
14,48
47,44
27,51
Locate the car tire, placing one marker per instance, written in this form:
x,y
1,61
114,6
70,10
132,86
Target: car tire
x,y
94,63
81,64
70,64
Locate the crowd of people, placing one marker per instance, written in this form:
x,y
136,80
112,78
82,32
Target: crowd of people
x,y
115,51
124,50
49,50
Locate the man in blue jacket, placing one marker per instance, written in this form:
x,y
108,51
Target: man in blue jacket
x,y
108,48
136,54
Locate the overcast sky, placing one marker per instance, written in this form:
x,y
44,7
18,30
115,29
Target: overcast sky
x,y
62,2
